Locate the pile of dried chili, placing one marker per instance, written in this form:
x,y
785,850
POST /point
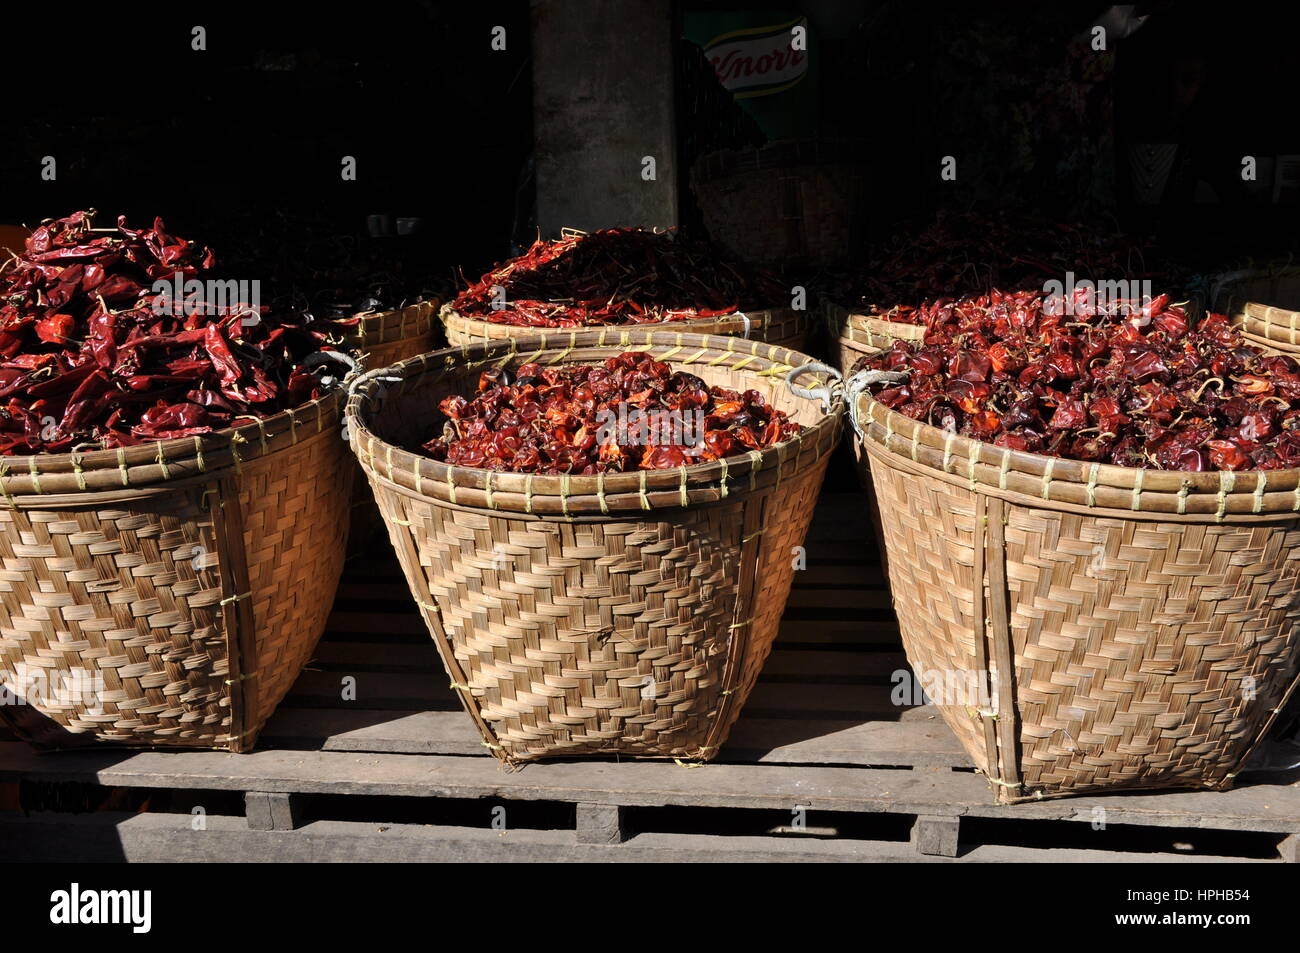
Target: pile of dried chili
x,y
964,254
93,355
1133,384
615,276
629,413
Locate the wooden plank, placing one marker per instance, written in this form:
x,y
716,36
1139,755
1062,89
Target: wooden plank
x,y
361,730
936,834
366,656
867,633
274,811
752,740
1289,849
1262,808
843,568
842,600
355,622
145,838
600,824
842,517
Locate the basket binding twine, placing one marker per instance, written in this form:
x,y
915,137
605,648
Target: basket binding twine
x,y
168,594
620,614
1106,627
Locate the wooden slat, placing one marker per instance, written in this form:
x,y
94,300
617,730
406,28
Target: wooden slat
x,y
923,742
645,783
147,838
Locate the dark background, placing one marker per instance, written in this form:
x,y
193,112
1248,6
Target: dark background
x,y
252,131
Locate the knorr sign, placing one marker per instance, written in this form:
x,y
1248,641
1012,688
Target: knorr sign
x,y
766,59
760,61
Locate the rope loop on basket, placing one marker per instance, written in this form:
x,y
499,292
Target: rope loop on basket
x,y
827,393
857,385
324,357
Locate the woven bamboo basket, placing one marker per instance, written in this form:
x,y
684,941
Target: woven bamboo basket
x,y
855,335
383,338
387,337
169,594
1264,303
1104,628
797,201
781,327
622,614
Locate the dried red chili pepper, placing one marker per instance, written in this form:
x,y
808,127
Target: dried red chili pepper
x,y
569,420
960,254
1131,383
615,276
92,357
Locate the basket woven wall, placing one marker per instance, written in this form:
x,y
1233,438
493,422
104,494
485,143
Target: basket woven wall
x,y
781,327
383,338
1143,622
1265,304
192,576
790,202
386,337
623,614
854,335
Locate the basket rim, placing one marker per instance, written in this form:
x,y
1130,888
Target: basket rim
x,y
759,317
685,485
165,461
847,322
375,327
1096,486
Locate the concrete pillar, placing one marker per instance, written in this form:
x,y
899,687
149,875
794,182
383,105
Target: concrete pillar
x,y
603,101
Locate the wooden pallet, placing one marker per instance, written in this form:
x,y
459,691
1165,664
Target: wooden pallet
x,y
821,766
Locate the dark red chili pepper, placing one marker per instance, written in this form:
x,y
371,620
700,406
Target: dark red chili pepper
x,y
91,356
588,419
615,276
960,254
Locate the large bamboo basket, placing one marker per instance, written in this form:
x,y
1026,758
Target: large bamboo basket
x,y
796,201
854,335
383,338
782,327
1143,622
615,615
192,576
1264,304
